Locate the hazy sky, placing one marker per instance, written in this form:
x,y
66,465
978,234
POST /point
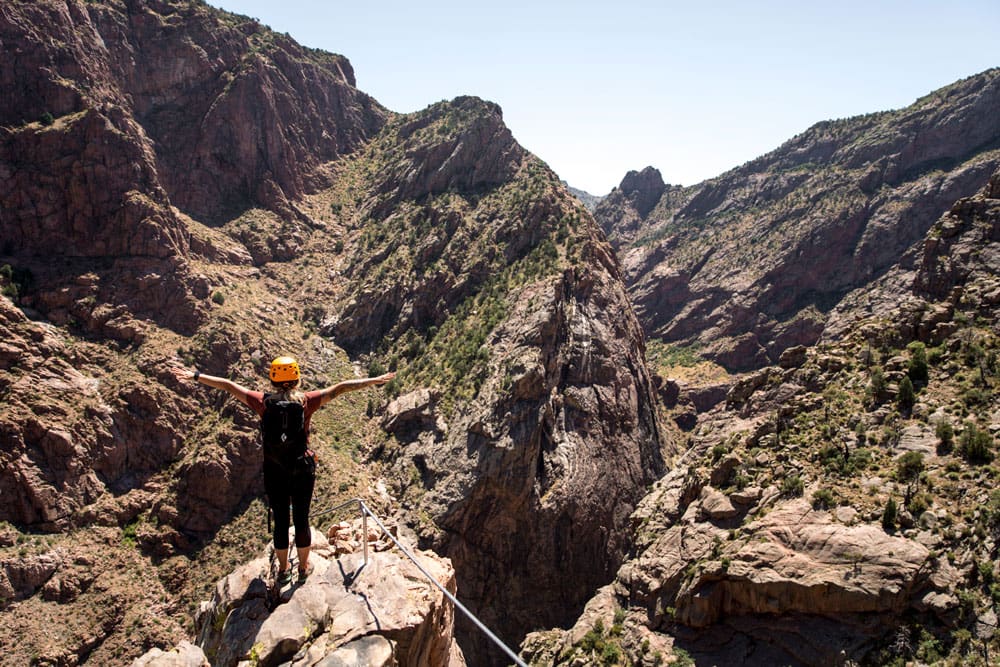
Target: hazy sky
x,y
694,88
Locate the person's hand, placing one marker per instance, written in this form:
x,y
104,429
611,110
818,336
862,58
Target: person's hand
x,y
182,374
385,377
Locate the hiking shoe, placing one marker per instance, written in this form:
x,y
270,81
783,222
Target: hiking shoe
x,y
304,574
285,577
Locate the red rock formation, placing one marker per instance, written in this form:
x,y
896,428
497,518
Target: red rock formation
x,y
241,117
750,263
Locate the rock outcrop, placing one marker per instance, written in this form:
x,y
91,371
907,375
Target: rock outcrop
x,y
383,613
548,470
63,446
628,211
477,154
643,189
749,594
956,266
462,148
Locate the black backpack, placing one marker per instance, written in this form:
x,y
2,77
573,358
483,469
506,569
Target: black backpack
x,y
283,430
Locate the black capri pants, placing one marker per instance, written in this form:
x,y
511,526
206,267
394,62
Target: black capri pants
x,y
293,485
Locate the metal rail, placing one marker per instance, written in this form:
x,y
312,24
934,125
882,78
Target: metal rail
x,y
365,513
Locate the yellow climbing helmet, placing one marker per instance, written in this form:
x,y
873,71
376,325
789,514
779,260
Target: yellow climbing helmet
x,y
284,369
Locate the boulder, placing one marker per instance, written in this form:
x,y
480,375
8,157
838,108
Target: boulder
x,y
184,654
793,357
384,612
413,410
918,437
716,506
371,650
747,496
799,561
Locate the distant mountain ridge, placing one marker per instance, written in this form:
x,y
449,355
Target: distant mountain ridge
x,y
588,200
746,265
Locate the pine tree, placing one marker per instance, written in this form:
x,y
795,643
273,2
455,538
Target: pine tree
x,y
889,515
917,370
906,395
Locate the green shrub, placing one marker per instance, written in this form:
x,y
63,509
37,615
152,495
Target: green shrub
x,y
741,481
975,444
682,658
593,641
918,504
891,434
889,515
929,648
877,385
986,574
917,369
861,458
945,434
792,486
976,396
909,466
906,396
611,654
130,533
972,354
218,297
823,499
16,282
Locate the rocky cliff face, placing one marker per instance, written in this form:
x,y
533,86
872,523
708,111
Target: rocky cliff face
x,y
746,265
181,183
101,141
824,514
527,426
232,114
115,114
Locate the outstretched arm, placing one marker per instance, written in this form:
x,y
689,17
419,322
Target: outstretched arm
x,y
333,391
185,375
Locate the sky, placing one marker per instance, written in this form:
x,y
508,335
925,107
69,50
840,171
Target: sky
x,y
596,89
